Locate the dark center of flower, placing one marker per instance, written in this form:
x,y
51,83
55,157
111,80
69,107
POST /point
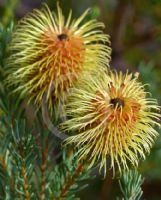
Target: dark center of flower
x,y
62,36
117,102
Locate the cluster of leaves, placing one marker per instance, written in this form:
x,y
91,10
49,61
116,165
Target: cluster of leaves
x,y
26,167
130,185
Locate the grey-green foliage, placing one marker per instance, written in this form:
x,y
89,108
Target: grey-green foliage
x,y
5,37
29,171
9,103
130,185
17,163
69,174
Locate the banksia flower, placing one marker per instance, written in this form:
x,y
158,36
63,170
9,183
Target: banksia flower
x,y
49,53
110,116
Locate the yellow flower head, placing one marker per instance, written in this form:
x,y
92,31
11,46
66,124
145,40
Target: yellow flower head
x,y
48,53
111,116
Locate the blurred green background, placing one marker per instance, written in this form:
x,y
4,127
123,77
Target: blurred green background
x,y
135,30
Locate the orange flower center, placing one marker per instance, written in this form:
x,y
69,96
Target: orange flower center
x,y
61,59
68,53
114,107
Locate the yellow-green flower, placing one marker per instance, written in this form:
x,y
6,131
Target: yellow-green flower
x,y
111,115
49,53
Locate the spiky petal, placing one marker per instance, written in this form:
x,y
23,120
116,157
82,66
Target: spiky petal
x,y
49,53
111,116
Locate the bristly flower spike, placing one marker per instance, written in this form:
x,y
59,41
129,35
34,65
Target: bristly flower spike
x,y
111,115
49,53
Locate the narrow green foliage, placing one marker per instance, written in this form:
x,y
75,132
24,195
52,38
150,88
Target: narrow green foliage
x,y
9,11
17,163
69,177
10,105
31,168
130,185
5,36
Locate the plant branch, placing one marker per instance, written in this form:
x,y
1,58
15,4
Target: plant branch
x,y
70,182
26,185
43,170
